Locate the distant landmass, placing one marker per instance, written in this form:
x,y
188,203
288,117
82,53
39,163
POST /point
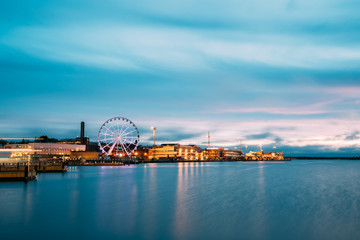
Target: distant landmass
x,y
321,158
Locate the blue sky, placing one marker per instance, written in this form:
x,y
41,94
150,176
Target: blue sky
x,y
282,73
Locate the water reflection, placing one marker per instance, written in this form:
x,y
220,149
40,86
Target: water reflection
x,y
259,231
28,196
180,215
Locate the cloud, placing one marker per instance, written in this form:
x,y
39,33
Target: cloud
x,y
354,136
259,136
283,111
171,135
328,133
266,136
143,47
349,91
315,151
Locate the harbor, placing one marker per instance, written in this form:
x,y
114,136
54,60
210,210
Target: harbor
x,y
23,160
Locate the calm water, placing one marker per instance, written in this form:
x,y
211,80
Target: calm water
x,y
230,200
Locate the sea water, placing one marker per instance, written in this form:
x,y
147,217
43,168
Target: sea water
x,y
300,199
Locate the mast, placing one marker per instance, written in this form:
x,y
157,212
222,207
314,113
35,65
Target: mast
x,y
208,139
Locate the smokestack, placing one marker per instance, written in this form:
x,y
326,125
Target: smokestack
x,y
82,134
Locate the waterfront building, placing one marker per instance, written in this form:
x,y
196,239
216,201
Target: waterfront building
x,y
164,151
80,155
176,152
55,149
142,152
212,154
255,156
189,152
273,156
267,156
232,155
43,150
18,154
279,156
260,155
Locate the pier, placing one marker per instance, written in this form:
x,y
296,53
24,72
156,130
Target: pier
x,y
17,173
27,172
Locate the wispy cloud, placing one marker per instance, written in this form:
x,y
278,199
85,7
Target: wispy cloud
x,y
310,109
349,91
146,47
285,111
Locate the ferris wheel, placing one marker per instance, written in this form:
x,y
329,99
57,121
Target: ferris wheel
x,y
118,136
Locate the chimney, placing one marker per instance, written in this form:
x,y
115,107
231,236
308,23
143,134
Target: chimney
x,y
82,134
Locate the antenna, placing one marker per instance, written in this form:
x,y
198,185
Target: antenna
x,y
208,139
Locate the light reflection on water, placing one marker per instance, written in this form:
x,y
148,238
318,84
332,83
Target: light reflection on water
x,y
232,200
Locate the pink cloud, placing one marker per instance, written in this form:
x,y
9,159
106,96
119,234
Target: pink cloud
x,y
316,108
347,91
294,132
285,111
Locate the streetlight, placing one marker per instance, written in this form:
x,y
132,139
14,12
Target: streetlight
x,y
274,147
153,128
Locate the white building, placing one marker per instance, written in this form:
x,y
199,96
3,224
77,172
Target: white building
x,y
18,151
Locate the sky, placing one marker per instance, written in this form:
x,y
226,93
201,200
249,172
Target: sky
x,y
279,73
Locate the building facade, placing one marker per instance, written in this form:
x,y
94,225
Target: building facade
x,y
189,152
213,154
263,156
232,155
43,150
164,151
